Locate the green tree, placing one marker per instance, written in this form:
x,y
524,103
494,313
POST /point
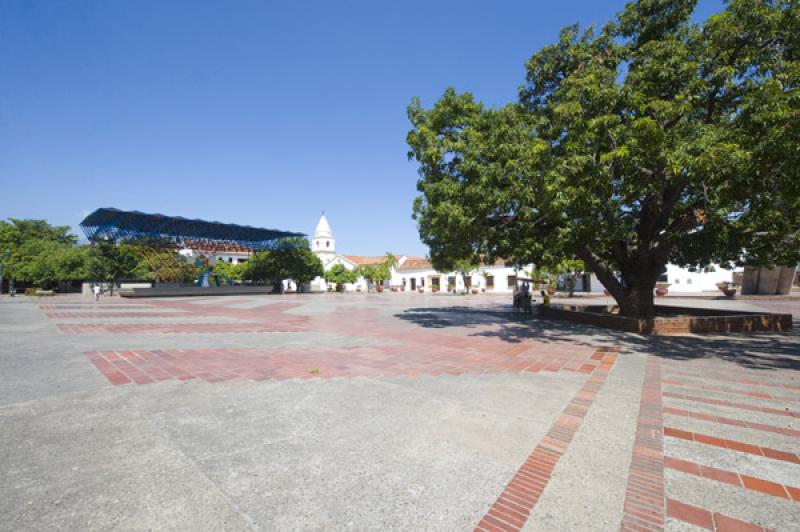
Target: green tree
x,y
339,275
52,263
391,260
652,140
42,254
114,262
293,260
228,270
374,273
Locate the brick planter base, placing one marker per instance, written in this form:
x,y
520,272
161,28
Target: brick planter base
x,y
686,320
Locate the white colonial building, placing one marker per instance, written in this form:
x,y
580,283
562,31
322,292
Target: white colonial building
x,y
418,274
411,273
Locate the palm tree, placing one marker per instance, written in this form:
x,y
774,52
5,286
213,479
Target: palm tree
x,y
391,260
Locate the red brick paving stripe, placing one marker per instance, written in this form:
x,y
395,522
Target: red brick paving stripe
x,y
513,507
710,521
732,445
733,478
281,363
742,373
734,391
731,421
736,380
112,314
92,306
176,328
731,404
644,499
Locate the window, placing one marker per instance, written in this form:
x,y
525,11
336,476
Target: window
x,y
677,281
451,282
663,278
688,281
490,281
512,281
422,281
327,243
467,281
230,259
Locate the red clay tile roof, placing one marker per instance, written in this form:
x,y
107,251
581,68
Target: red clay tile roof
x,y
416,263
363,261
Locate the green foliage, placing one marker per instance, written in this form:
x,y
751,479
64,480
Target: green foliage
x,y
41,253
652,140
391,260
373,272
14,233
294,261
112,262
340,275
228,270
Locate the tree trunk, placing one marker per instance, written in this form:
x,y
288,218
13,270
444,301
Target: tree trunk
x,y
638,301
635,295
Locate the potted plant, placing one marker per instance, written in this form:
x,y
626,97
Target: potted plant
x,y
551,288
726,288
662,289
420,289
474,291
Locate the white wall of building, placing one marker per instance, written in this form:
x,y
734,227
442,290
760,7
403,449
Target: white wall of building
x,y
682,280
496,276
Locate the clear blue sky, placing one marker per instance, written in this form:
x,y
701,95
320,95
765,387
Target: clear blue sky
x,y
252,112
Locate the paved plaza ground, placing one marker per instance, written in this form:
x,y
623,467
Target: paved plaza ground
x,y
387,412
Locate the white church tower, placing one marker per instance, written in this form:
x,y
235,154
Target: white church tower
x,y
323,244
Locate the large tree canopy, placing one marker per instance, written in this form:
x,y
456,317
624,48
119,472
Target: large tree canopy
x,y
293,261
652,140
41,253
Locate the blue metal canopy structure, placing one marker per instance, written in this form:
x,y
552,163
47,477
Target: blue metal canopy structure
x,y
117,225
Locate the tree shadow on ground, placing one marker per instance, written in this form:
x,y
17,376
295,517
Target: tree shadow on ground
x,y
503,323
761,351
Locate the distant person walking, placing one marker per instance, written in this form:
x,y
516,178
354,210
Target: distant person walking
x,y
97,291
